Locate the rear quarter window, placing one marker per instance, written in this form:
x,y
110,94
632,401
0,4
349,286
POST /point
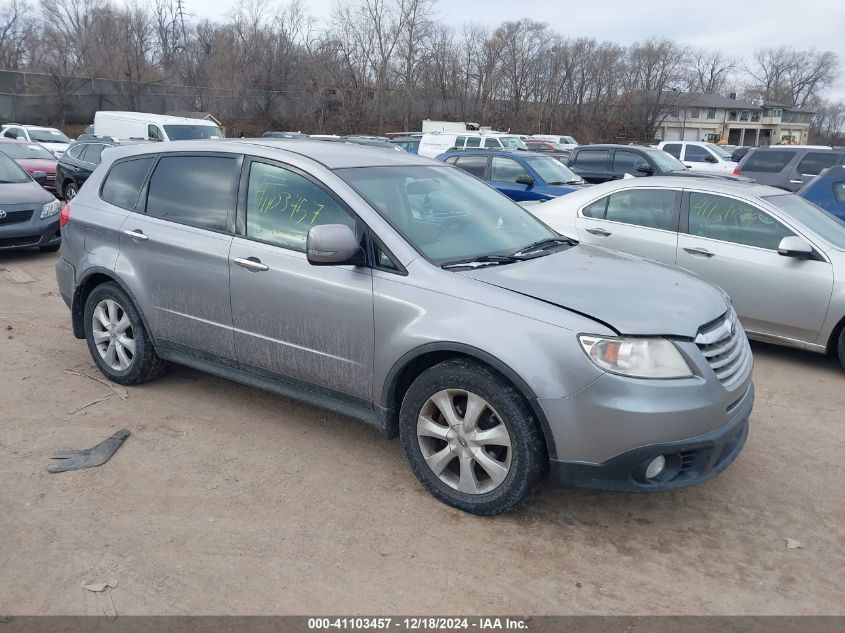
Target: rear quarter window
x,y
814,162
122,185
592,159
769,162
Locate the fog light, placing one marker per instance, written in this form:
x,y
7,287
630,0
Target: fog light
x,y
655,467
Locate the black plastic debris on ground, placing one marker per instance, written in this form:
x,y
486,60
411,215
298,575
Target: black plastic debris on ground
x,y
88,457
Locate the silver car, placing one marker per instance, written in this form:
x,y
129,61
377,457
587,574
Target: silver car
x,y
492,347
781,258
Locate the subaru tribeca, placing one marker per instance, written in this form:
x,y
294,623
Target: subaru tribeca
x,y
494,348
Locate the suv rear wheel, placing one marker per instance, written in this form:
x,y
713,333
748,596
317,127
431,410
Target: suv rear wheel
x,y
116,337
470,438
840,348
70,191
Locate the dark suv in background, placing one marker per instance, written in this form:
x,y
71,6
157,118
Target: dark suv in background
x,y
788,167
80,159
600,163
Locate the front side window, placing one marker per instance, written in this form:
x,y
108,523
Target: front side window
x,y
506,170
664,161
282,206
444,214
628,162
824,224
552,171
673,148
475,165
154,134
696,154
731,220
839,191
651,208
814,162
123,183
193,190
592,159
11,132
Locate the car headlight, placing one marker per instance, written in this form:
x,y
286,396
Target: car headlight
x,y
51,208
636,357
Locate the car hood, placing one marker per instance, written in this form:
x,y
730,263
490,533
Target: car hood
x,y
629,294
29,192
38,164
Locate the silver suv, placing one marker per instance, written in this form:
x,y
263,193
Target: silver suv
x,y
408,294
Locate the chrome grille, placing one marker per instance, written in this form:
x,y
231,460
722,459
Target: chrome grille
x,y
13,217
726,348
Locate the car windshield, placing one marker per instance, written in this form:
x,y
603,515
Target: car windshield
x,y
446,214
188,132
826,226
552,171
721,153
512,142
25,150
48,136
10,171
569,140
665,161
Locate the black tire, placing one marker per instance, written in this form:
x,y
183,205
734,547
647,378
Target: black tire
x,y
840,348
529,457
52,248
145,365
69,191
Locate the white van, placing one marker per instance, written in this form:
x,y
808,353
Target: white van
x,y
566,141
153,127
700,155
435,143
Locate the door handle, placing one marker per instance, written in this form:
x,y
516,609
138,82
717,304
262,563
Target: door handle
x,y
702,252
599,232
796,182
251,263
136,235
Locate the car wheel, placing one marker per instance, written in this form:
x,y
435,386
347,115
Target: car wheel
x,y
841,347
470,438
116,337
70,191
52,248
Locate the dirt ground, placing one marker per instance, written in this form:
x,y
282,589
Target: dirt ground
x,y
228,500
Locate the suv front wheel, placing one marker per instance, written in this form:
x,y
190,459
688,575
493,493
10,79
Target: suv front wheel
x,y
116,337
470,438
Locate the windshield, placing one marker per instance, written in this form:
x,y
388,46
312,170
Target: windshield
x,y
665,161
26,150
10,171
446,214
826,226
568,140
188,132
512,142
48,136
721,153
552,171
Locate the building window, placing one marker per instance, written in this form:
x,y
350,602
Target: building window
x,y
711,113
674,112
755,117
743,116
693,113
732,115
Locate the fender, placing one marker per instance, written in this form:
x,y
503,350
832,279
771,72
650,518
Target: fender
x,y
387,395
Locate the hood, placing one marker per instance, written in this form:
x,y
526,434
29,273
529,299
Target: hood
x,y
630,294
29,192
558,190
38,164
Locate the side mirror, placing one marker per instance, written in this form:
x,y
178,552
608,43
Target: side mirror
x,y
331,245
525,180
39,177
794,246
645,168
710,159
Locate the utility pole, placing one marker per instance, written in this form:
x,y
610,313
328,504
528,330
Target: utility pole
x,y
180,14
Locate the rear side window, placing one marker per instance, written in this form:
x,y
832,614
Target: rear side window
x,y
814,162
473,141
592,159
673,148
492,142
768,162
474,165
596,209
92,153
193,190
75,151
123,183
626,161
839,191
651,208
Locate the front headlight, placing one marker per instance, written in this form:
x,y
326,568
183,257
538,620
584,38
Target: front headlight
x,y
636,357
51,208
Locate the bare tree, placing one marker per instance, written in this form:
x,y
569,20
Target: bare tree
x,y
708,70
15,22
791,76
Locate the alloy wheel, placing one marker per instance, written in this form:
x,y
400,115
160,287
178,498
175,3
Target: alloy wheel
x,y
112,333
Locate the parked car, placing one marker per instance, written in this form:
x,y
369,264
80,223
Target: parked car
x,y
458,332
827,190
550,148
284,135
51,138
521,176
600,163
34,158
435,143
700,156
82,157
780,258
28,213
787,167
153,127
409,144
566,141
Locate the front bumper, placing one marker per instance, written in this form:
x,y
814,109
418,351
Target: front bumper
x,y
33,232
688,461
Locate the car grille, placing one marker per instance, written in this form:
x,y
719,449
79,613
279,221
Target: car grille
x,y
726,348
13,217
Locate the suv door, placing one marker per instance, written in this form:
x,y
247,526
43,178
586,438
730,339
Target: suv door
x,y
174,252
810,165
733,244
700,158
304,323
504,173
629,162
639,221
593,165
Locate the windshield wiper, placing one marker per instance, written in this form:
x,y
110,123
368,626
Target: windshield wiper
x,y
483,260
543,244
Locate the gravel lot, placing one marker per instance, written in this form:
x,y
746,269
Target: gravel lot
x,y
227,500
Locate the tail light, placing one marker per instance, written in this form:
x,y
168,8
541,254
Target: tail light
x,y
736,171
64,216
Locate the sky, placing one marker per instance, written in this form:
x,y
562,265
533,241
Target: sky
x,y
738,28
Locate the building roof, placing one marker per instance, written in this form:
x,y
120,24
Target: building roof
x,y
707,100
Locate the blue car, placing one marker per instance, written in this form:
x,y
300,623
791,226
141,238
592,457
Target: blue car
x,y
827,190
520,175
